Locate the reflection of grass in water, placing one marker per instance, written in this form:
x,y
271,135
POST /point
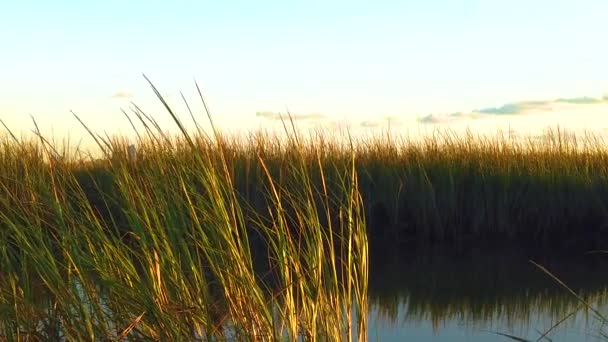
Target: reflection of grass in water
x,y
584,302
479,287
170,235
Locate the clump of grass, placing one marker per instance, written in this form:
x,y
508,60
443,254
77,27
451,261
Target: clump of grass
x,y
216,237
453,187
167,249
443,187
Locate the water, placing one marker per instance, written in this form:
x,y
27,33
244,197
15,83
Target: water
x,y
461,293
451,293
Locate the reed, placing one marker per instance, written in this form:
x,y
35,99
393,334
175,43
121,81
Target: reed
x,y
206,236
446,187
164,247
442,187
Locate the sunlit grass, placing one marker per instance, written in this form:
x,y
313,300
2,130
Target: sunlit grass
x,y
215,237
163,249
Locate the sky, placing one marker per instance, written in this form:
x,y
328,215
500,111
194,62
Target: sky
x,y
364,64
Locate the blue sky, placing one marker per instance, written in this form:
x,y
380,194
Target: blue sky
x,y
347,60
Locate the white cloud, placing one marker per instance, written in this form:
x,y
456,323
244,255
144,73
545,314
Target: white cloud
x,y
516,108
122,94
286,116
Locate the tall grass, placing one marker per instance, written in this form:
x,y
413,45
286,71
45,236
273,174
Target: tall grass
x,y
450,187
166,248
443,187
212,237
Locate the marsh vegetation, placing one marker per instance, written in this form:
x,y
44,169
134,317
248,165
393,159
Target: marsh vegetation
x,y
213,237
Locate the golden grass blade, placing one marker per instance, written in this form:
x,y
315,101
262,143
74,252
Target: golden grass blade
x,y
128,329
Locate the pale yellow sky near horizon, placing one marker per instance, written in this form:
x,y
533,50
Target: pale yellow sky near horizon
x,y
354,62
574,117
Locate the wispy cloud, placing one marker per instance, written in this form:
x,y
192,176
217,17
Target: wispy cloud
x,y
446,118
389,121
122,94
370,124
514,108
584,100
285,116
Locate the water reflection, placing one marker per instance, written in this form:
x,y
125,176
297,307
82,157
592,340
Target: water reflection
x,y
460,293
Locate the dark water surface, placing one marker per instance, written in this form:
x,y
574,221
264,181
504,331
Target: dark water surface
x,y
460,293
